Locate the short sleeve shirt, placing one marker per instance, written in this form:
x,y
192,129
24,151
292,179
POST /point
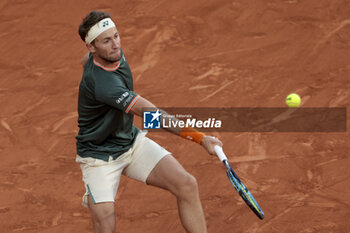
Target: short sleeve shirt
x,y
106,96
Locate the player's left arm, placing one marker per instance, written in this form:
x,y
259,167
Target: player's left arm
x,y
84,59
208,142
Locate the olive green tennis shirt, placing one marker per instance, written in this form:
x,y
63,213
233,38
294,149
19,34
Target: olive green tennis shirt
x,y
105,98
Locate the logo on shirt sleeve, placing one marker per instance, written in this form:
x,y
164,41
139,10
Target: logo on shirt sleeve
x,y
122,97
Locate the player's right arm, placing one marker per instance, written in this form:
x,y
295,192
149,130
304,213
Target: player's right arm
x,y
112,91
208,142
142,103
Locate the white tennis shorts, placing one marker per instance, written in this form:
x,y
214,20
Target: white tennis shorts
x,y
102,178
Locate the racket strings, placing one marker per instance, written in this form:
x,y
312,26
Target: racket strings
x,y
244,193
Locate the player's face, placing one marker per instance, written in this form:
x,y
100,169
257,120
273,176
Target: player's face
x,y
107,46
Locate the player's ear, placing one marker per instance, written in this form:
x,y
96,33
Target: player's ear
x,y
91,48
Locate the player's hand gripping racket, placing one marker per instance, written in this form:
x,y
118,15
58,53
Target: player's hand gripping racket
x,y
239,186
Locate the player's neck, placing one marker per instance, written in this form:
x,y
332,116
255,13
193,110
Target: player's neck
x,y
106,63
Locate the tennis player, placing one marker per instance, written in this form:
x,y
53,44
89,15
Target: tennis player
x,y
109,145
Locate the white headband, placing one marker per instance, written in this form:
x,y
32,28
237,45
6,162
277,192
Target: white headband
x,y
98,28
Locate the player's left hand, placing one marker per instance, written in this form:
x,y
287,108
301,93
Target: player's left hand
x,y
208,142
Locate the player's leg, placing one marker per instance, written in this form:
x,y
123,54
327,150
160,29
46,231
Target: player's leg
x,y
103,216
154,165
101,181
170,175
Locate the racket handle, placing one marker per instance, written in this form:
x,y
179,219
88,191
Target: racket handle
x,y
220,153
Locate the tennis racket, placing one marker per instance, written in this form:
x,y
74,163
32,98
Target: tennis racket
x,y
239,186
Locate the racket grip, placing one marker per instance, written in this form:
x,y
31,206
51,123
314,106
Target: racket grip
x,y
220,153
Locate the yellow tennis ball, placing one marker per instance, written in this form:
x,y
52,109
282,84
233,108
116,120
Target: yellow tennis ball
x,y
293,100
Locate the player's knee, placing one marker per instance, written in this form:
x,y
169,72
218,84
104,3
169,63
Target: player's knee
x,y
104,216
189,186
